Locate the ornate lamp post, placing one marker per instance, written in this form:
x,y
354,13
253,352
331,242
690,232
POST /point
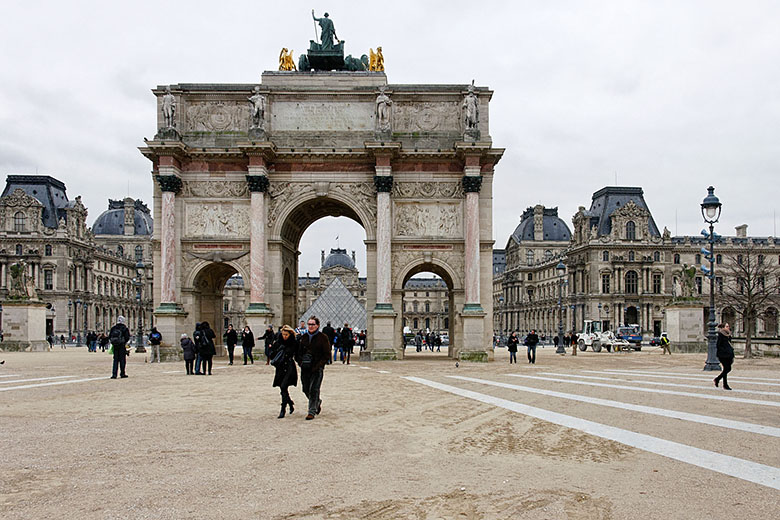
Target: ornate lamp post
x,y
70,320
84,309
140,268
561,270
75,319
600,324
710,211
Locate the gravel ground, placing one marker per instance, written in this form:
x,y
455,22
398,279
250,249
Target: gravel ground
x,y
163,445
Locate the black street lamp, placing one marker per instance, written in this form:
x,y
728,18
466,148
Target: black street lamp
x,y
561,269
76,321
710,211
140,268
70,320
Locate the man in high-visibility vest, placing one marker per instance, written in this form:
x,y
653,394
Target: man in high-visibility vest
x,y
665,345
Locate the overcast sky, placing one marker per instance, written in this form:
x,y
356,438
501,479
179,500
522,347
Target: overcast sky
x,y
671,96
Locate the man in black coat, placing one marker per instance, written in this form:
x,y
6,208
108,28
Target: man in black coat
x,y
330,332
231,339
313,356
531,341
119,336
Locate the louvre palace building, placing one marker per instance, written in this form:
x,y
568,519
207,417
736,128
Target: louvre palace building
x,y
85,276
620,269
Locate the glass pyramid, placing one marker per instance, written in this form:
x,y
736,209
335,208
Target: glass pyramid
x,y
337,306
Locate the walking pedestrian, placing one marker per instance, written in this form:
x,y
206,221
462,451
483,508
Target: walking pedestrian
x,y
119,336
346,342
725,354
155,338
103,341
62,341
248,343
418,341
231,339
313,355
531,341
286,374
189,352
268,338
511,346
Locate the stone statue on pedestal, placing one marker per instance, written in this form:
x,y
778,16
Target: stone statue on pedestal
x,y
257,125
383,112
470,107
21,286
169,109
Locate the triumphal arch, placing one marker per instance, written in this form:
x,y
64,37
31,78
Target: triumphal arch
x,y
241,171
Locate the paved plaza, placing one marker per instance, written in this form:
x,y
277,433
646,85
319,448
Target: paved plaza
x,y
597,436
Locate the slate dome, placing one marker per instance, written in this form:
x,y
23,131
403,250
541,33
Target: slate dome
x,y
554,228
338,257
112,221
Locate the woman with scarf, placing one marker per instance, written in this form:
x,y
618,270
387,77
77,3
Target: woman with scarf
x,y
285,348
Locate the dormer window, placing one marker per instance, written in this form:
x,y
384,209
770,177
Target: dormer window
x,y
19,221
630,230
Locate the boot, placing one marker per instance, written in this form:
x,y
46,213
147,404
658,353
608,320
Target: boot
x,y
290,403
281,413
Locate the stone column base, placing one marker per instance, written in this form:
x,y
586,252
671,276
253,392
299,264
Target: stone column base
x,y
379,355
474,347
24,346
24,326
170,353
170,320
383,347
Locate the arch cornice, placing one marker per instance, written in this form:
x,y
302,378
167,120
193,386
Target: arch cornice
x,y
454,278
196,268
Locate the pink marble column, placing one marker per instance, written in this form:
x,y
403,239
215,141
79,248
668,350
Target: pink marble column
x,y
472,182
257,246
258,185
384,184
170,185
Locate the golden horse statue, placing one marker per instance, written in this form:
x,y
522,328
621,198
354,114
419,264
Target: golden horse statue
x,y
286,60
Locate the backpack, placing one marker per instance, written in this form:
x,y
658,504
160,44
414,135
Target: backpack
x,y
115,337
155,337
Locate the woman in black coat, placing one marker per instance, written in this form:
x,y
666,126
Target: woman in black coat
x,y
286,372
248,343
725,354
206,347
268,338
511,346
189,350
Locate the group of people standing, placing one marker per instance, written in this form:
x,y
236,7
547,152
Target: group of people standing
x,y
247,343
427,341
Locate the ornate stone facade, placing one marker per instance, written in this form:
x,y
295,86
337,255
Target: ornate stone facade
x,y
325,151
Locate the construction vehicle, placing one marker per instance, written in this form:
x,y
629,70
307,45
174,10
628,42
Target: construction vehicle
x,y
592,336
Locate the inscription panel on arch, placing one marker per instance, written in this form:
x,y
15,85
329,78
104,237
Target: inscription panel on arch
x,y
321,116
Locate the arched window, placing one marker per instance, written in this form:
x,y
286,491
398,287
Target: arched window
x,y
529,257
630,230
120,251
139,253
718,259
547,254
19,221
427,307
677,258
18,249
48,250
605,256
631,256
698,259
656,256
632,282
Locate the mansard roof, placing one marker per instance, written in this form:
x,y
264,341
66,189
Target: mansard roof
x,y
610,199
49,191
112,221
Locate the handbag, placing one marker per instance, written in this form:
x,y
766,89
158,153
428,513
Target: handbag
x,y
278,359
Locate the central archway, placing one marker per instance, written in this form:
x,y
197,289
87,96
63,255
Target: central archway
x,y
289,226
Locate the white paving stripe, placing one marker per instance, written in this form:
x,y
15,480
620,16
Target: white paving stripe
x,y
174,372
702,419
695,375
659,376
663,383
383,371
739,468
10,375
53,383
654,390
34,379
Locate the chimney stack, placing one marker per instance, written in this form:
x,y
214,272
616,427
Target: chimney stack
x,y
741,231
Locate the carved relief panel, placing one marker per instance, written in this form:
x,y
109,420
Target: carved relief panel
x,y
217,116
215,189
426,116
217,220
434,219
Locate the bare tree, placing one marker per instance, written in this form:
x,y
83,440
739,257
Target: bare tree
x,y
751,284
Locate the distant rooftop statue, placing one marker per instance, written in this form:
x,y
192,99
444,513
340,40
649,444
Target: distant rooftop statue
x,y
327,33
